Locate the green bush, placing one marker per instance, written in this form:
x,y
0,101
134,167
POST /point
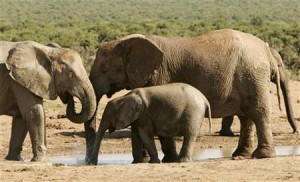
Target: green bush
x,y
84,24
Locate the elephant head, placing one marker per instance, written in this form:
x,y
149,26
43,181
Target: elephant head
x,y
49,72
126,63
118,114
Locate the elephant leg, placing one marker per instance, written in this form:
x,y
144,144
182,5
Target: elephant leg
x,y
36,127
186,152
18,134
226,124
90,136
260,114
265,147
246,140
137,146
168,146
32,111
148,141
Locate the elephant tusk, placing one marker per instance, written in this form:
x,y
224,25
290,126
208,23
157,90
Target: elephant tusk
x,y
77,105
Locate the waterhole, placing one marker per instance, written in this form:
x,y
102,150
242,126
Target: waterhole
x,y
200,154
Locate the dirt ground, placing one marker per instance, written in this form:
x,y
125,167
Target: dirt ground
x,y
67,139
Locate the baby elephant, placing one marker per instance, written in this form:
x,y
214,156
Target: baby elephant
x,y
170,110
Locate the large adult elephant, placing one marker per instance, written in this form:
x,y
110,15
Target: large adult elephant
x,y
227,121
30,72
231,68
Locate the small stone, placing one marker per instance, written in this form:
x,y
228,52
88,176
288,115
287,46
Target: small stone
x,y
60,116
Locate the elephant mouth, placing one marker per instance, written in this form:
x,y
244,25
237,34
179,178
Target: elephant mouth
x,y
111,129
113,89
64,97
109,95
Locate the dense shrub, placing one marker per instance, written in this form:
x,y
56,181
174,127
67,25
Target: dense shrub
x,y
83,24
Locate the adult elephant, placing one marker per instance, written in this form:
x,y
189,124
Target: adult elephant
x,y
30,72
227,121
231,68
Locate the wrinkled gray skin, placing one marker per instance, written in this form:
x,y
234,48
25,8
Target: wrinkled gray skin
x,y
227,121
30,72
231,68
167,111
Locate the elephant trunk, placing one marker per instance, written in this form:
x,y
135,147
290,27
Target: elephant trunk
x,y
287,101
101,88
90,132
96,147
88,101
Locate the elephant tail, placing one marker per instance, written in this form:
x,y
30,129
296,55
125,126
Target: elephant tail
x,y
209,115
278,88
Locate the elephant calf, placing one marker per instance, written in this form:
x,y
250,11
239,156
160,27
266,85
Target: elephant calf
x,y
170,110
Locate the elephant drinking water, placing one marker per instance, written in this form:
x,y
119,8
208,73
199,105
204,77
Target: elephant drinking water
x,y
169,110
231,68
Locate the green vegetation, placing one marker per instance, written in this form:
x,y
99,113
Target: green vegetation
x,y
83,24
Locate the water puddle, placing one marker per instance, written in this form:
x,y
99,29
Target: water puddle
x,y
203,154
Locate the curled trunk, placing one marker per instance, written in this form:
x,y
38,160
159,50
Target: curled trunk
x,y
88,102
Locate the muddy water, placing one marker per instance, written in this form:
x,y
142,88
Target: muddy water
x,y
213,153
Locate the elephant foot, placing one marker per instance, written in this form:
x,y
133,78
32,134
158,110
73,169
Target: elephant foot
x,y
154,161
170,158
12,157
185,159
246,151
39,159
238,158
227,132
141,159
145,156
264,152
136,161
144,159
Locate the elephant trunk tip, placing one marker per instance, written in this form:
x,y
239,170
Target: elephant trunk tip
x,y
295,131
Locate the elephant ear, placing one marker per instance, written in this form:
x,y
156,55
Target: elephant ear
x,y
30,66
131,107
142,58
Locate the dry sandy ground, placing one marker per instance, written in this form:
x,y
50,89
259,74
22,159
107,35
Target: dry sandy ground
x,y
67,139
